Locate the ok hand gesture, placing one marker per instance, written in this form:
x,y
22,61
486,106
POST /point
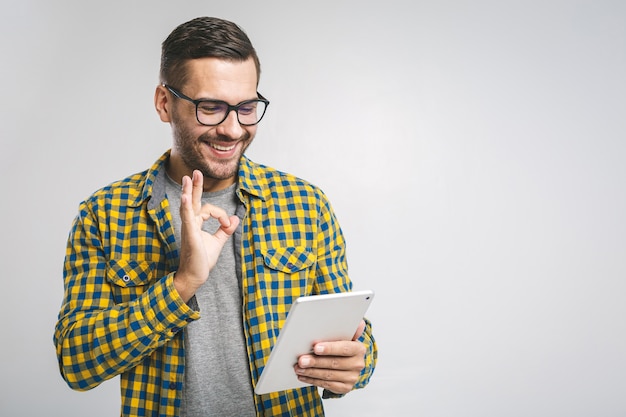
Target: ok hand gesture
x,y
199,250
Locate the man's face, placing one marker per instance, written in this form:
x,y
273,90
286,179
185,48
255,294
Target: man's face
x,y
214,150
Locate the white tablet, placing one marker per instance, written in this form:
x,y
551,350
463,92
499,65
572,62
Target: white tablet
x,y
311,319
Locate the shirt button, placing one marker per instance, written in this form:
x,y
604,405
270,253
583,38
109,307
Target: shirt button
x,y
289,265
172,385
125,278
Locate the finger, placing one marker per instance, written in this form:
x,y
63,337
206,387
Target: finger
x,y
196,194
336,381
339,348
341,363
209,210
359,330
233,222
228,225
225,231
334,386
186,208
346,376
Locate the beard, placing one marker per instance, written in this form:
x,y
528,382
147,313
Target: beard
x,y
193,152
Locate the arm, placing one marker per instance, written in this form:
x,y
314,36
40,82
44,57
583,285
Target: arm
x,y
341,366
97,339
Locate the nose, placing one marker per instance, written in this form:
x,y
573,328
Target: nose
x,y
230,127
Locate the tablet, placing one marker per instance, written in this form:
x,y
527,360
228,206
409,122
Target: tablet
x,y
311,319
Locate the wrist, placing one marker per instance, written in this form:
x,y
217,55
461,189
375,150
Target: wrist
x,y
182,287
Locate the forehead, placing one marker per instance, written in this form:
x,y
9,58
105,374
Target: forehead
x,y
220,79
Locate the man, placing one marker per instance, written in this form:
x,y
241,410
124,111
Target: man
x,y
180,277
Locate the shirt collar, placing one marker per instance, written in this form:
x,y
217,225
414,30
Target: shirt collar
x,y
251,181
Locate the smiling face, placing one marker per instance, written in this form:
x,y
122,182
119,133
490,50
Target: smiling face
x,y
214,150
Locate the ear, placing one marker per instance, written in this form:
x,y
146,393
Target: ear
x,y
162,103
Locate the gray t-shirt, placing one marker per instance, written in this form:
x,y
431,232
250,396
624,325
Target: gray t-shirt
x,y
217,373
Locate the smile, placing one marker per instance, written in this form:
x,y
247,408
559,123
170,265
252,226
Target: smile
x,y
223,148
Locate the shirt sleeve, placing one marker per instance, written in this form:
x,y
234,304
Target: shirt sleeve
x,y
97,339
332,276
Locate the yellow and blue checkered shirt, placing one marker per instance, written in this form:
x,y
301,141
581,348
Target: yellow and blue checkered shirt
x,y
121,314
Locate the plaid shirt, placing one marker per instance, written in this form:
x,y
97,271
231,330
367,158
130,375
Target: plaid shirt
x,y
121,314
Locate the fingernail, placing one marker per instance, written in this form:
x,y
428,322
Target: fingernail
x,y
305,361
319,349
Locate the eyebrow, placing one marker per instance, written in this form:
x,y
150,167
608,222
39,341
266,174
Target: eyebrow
x,y
177,92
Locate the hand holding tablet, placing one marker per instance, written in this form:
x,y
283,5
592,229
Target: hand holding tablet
x,y
313,319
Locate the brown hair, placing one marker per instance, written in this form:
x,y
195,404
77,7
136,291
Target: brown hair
x,y
203,37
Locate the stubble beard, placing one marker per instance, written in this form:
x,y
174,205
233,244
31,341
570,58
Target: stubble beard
x,y
190,152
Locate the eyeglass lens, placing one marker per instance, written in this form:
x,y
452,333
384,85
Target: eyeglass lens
x,y
215,112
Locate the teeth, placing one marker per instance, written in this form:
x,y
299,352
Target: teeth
x,y
221,148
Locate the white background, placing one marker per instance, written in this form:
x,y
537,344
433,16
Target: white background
x,y
474,152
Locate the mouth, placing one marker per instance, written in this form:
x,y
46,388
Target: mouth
x,y
222,148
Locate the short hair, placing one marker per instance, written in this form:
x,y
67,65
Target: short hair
x,y
203,37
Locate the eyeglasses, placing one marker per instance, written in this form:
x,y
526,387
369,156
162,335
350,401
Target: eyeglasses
x,y
214,112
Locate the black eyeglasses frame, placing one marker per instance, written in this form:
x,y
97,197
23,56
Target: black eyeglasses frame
x,y
229,107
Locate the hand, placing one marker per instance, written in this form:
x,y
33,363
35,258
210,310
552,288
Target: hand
x,y
334,366
199,250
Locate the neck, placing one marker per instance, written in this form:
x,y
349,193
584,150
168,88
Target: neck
x,y
176,170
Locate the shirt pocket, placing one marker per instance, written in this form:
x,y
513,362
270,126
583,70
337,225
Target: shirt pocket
x,y
290,270
129,278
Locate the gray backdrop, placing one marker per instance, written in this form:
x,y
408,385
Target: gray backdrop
x,y
473,151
